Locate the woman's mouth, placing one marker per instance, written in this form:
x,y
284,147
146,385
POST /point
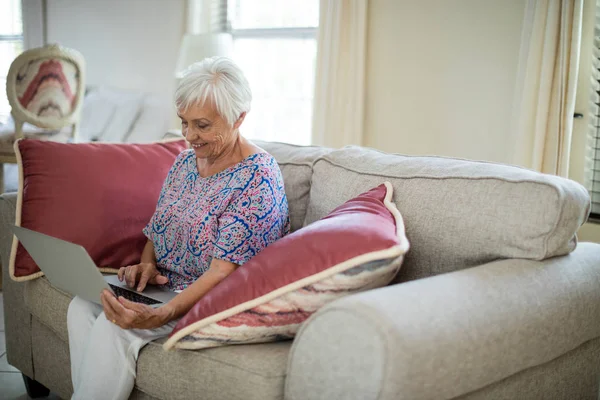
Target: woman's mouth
x,y
198,145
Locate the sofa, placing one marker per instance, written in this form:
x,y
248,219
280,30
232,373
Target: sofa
x,y
495,299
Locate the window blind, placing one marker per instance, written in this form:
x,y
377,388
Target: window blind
x,y
218,16
593,139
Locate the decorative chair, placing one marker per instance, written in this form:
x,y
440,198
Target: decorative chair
x,y
45,87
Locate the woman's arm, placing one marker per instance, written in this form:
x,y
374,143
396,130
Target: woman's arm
x,y
184,301
148,255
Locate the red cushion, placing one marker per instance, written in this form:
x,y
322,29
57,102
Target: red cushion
x,y
282,286
94,194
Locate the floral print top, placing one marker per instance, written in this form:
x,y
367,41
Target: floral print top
x,y
231,216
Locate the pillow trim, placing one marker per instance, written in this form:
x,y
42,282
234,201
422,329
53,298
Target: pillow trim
x,y
390,253
15,241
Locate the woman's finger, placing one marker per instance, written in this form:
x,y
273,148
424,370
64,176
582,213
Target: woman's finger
x,y
146,275
132,305
121,273
125,314
131,275
108,310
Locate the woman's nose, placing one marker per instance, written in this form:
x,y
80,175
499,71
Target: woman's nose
x,y
190,134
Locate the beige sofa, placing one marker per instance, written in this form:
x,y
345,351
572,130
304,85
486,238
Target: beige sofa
x,y
494,301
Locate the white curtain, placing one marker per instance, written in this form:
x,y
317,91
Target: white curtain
x,y
545,96
340,73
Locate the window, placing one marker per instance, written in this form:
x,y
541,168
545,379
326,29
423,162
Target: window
x,y
275,44
593,155
11,45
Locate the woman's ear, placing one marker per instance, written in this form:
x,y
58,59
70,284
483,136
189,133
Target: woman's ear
x,y
239,121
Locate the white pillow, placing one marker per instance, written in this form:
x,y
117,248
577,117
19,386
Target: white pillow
x,y
109,114
153,121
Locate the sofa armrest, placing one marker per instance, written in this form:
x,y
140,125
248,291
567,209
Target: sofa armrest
x,y
17,319
443,336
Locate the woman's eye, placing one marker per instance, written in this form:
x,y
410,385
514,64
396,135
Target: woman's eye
x,y
202,126
183,123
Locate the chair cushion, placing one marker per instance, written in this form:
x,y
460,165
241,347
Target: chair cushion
x,y
237,372
458,213
295,163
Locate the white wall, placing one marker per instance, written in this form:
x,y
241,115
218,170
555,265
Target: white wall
x,y
130,44
441,76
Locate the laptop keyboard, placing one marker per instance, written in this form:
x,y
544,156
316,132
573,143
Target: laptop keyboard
x,y
133,296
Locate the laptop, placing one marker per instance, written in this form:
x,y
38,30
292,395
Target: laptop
x,y
69,267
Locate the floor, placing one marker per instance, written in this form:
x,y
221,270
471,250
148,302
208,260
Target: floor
x,y
11,382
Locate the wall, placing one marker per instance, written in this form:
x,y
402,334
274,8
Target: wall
x,y
130,44
441,76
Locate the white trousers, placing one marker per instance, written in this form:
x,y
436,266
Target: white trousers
x,y
104,356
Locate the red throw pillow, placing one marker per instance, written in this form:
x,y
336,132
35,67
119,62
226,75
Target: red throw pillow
x,y
359,246
97,195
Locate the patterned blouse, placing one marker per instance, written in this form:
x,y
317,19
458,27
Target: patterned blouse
x,y
231,216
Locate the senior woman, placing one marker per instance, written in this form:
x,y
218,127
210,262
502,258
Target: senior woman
x,y
222,202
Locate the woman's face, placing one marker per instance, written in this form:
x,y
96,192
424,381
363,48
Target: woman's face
x,y
206,131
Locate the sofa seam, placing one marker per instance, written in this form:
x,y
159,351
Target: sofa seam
x,y
559,215
351,147
307,164
48,285
154,343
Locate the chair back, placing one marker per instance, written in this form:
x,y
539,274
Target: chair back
x,y
45,87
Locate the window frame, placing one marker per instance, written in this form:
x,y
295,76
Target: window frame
x,y
9,38
223,15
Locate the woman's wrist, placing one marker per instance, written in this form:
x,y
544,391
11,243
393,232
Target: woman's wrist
x,y
167,313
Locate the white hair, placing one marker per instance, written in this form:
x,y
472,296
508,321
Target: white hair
x,y
219,80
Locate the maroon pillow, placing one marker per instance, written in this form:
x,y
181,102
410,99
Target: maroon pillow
x,y
97,195
359,246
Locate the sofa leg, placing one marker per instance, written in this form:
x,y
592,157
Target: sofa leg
x,y
34,388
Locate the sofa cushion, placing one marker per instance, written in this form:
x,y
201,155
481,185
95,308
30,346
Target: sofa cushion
x,y
236,372
295,163
96,195
458,213
359,246
248,372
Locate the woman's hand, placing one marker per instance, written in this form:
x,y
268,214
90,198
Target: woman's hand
x,y
142,273
130,315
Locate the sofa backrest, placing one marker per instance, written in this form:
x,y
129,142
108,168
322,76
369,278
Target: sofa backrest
x,y
295,163
457,213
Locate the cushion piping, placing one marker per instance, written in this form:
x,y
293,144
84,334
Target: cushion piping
x,y
15,242
216,360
